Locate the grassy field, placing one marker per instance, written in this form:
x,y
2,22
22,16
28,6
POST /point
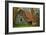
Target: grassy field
x,y
22,25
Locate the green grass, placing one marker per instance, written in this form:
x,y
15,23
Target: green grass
x,y
22,25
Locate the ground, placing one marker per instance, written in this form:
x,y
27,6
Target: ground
x,y
23,25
